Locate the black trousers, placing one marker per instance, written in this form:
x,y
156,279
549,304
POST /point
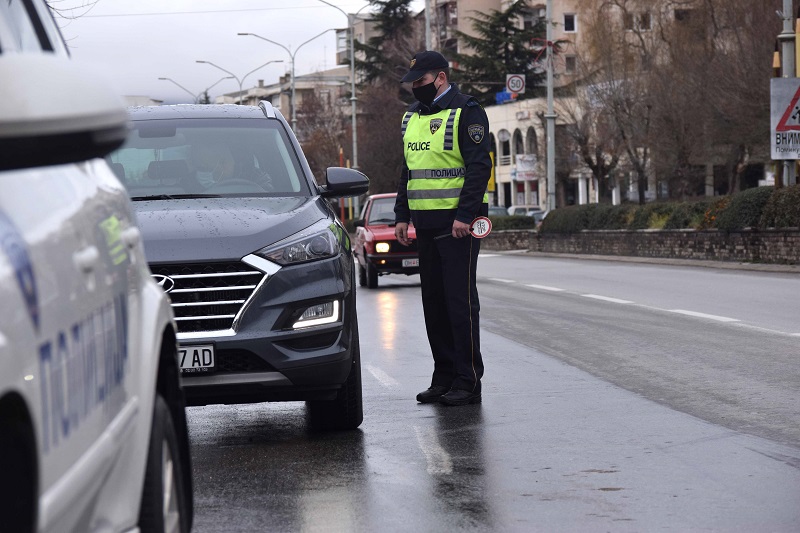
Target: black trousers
x,y
450,302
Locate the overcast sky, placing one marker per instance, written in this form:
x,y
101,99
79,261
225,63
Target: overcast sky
x,y
138,41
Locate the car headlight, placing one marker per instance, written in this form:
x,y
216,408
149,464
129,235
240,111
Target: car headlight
x,y
382,247
312,244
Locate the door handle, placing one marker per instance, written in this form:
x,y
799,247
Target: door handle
x,y
87,258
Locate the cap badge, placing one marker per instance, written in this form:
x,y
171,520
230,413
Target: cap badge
x,y
413,62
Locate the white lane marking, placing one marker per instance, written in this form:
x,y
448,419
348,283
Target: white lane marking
x,y
606,299
545,288
385,379
501,280
703,315
764,330
488,255
439,461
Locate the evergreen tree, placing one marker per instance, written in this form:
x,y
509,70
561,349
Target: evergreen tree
x,y
387,55
501,47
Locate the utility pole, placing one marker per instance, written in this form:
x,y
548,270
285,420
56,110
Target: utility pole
x,y
551,115
427,25
787,38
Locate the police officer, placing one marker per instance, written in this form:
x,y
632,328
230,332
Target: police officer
x,y
442,190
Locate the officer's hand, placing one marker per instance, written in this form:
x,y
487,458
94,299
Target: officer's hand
x,y
460,229
401,232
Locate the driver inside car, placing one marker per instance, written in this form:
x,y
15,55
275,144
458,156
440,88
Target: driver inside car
x,y
215,163
212,163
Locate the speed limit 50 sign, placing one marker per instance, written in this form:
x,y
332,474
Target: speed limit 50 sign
x,y
515,83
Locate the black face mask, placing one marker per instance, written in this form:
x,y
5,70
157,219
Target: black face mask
x,y
425,93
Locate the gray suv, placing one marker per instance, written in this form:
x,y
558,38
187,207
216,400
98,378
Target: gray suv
x,y
256,264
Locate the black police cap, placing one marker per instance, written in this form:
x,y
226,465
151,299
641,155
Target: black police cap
x,y
424,62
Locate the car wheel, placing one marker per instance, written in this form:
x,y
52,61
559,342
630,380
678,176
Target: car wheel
x,y
346,410
18,484
372,276
362,275
163,497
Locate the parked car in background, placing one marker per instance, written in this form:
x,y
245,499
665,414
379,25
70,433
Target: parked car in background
x,y
523,210
528,210
257,265
497,211
93,430
376,248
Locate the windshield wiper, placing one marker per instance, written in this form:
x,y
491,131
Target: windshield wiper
x,y
173,196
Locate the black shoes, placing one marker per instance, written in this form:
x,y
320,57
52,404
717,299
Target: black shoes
x,y
443,395
460,397
432,395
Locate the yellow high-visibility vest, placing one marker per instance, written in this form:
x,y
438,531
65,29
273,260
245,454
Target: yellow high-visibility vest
x,y
435,167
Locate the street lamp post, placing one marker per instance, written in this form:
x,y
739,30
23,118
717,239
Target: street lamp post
x,y
291,56
353,98
194,98
234,76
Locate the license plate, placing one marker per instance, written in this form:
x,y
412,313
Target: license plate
x,y
196,358
410,263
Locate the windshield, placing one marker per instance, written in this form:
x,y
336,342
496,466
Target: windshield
x,y
166,159
382,211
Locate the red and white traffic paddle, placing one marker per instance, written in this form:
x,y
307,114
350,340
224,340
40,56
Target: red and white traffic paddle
x,y
480,227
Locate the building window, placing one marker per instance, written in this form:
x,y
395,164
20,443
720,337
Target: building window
x,y
505,148
342,42
627,21
645,22
639,22
533,17
570,23
571,64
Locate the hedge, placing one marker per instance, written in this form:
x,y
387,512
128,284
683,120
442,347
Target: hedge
x,y
782,209
760,207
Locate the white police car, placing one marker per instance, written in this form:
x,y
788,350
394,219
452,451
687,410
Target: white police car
x,y
92,425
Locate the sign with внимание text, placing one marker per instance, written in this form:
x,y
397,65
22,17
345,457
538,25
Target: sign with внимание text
x,y
785,118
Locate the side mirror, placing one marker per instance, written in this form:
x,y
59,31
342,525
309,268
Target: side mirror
x,y
52,112
358,223
341,181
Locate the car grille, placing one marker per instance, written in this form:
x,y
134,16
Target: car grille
x,y
207,296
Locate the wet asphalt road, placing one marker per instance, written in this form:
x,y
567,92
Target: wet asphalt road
x,y
598,415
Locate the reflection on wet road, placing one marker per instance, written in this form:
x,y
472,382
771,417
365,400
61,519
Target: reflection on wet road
x,y
551,449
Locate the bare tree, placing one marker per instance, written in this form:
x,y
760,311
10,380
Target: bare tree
x,y
322,128
380,138
685,82
593,136
619,59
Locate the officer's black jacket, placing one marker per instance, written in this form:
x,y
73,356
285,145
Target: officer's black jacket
x,y
477,162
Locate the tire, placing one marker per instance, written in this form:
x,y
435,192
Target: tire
x,y
346,411
18,483
362,275
164,494
372,276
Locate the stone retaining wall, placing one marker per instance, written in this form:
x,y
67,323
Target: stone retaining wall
x,y
758,246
